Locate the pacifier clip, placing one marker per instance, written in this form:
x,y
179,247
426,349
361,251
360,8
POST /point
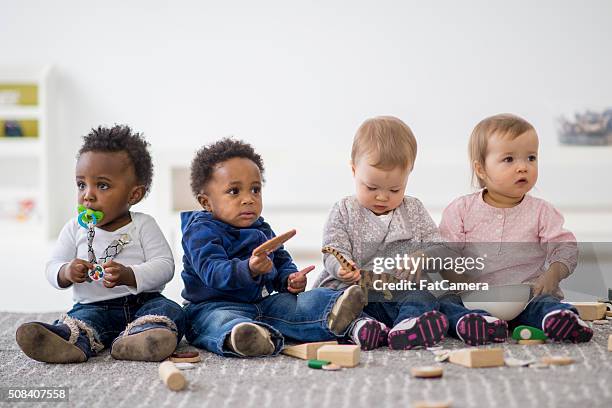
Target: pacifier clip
x,y
88,219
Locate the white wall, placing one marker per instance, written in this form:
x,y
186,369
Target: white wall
x,y
297,78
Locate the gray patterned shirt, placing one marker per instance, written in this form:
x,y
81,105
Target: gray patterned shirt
x,y
361,236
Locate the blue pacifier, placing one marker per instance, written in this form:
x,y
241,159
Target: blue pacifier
x,y
87,215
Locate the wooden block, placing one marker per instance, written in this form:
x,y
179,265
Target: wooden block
x,y
274,243
608,314
171,376
345,355
610,343
590,310
478,358
306,351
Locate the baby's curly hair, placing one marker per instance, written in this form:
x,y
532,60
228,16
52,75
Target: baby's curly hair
x,y
121,138
209,156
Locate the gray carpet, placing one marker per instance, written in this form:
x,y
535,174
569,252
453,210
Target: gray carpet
x,y
382,379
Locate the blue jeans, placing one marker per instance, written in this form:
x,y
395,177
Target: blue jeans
x,y
404,305
108,318
533,314
300,317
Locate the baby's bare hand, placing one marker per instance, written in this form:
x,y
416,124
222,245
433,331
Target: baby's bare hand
x,y
547,284
296,282
76,270
349,276
116,274
260,264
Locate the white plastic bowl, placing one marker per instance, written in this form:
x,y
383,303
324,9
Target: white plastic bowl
x,y
504,302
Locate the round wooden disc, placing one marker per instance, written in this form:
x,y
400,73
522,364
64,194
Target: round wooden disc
x,y
427,372
530,342
431,404
331,367
557,360
186,357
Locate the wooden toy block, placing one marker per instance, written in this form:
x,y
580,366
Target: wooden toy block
x,y
528,333
590,310
345,355
274,243
306,351
610,343
171,376
478,358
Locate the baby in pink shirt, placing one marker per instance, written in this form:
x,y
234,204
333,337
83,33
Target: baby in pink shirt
x,y
523,237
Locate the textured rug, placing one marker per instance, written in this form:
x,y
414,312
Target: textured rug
x,y
381,379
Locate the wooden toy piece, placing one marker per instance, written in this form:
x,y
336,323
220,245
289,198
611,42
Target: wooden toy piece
x,y
478,358
608,314
431,404
274,243
184,366
331,367
528,333
345,355
590,310
186,357
610,343
530,342
367,279
318,364
306,351
427,372
557,360
171,376
515,362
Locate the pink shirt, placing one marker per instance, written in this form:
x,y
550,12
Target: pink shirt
x,y
519,242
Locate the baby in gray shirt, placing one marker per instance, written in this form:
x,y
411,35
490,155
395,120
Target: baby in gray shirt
x,y
377,223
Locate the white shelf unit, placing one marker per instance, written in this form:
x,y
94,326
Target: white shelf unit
x,y
26,171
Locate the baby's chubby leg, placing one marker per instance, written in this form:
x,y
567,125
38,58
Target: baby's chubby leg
x,y
417,321
231,329
154,333
474,327
559,321
72,339
316,315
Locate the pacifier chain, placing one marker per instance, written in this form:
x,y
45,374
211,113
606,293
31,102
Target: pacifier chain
x,y
88,219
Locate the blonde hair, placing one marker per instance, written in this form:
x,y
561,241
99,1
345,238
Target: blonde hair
x,y
387,140
504,125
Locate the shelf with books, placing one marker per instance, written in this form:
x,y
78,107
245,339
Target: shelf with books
x,y
26,153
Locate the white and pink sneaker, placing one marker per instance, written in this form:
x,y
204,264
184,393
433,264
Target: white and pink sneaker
x,y
427,330
565,325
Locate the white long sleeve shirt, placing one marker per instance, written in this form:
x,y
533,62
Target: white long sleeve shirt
x,y
147,253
